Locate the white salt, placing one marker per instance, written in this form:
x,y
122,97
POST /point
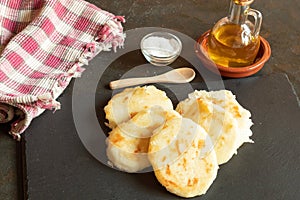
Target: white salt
x,y
160,46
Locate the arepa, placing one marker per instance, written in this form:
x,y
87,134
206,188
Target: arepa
x,y
130,101
127,144
183,158
224,119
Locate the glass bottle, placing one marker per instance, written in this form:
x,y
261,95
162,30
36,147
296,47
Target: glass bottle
x,y
234,40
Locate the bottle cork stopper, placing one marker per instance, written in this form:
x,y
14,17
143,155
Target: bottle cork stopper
x,y
243,2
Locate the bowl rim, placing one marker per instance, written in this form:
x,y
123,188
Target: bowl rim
x,y
176,52
238,70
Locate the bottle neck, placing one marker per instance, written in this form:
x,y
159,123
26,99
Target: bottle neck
x,y
238,13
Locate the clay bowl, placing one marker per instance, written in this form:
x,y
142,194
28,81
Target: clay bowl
x,y
263,55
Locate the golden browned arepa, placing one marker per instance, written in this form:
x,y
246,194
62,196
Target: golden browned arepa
x,y
225,120
126,104
127,144
183,158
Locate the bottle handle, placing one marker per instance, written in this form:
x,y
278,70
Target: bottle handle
x,y
257,20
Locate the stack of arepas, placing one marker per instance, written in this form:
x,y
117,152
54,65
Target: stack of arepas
x,y
184,147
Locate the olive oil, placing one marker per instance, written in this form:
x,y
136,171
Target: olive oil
x,y
232,45
234,40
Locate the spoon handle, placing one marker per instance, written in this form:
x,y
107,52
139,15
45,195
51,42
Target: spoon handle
x,y
131,81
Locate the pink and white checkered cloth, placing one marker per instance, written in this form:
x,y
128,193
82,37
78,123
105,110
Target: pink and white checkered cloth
x,y
43,45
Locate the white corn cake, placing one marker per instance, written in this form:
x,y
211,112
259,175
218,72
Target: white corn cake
x,y
183,158
127,144
224,119
124,105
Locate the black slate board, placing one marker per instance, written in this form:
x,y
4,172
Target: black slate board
x,y
59,167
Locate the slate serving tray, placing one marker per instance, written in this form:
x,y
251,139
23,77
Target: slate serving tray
x,y
58,166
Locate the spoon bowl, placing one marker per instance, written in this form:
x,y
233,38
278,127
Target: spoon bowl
x,y
180,75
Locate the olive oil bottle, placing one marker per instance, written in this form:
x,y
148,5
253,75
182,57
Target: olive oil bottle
x,y
234,40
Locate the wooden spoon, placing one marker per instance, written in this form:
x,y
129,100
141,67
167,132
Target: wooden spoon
x,y
180,75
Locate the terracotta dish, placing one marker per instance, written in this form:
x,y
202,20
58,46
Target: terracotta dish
x,y
263,55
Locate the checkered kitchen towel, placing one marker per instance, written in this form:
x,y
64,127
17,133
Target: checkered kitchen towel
x,y
43,45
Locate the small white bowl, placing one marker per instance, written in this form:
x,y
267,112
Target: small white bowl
x,y
161,48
